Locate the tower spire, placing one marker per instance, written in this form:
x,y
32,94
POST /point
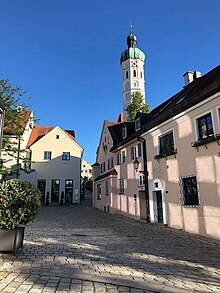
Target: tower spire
x,y
131,39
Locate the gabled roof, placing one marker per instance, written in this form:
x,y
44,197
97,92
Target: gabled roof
x,y
195,92
110,173
37,133
9,129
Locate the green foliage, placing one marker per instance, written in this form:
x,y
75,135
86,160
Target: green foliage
x,y
137,105
19,202
15,118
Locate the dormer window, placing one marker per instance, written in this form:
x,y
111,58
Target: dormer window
x,y
124,132
137,124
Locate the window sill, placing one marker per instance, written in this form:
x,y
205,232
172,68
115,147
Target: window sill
x,y
207,140
191,206
165,155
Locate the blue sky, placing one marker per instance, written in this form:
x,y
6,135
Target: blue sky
x,y
66,54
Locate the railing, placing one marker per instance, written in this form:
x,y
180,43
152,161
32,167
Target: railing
x,y
166,154
207,140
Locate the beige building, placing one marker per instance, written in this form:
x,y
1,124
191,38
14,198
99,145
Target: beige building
x,y
55,164
86,170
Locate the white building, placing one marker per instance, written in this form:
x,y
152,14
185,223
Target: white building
x,y
86,170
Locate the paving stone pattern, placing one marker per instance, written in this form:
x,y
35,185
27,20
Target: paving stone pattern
x,y
82,249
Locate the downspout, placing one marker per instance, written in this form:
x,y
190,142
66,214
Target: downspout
x,y
146,184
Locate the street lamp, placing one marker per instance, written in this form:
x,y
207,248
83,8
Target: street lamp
x,y
136,164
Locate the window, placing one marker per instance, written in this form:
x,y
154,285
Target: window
x,y
136,151
126,74
121,157
135,73
205,127
137,124
66,156
106,188
166,144
69,183
124,132
47,155
103,167
110,163
99,191
141,180
121,186
141,74
189,188
57,136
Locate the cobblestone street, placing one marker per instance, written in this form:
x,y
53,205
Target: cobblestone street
x,y
81,249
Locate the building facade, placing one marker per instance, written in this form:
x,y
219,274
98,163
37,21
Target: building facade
x,y
55,164
86,170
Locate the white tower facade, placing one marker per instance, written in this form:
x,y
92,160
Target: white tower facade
x,y
132,65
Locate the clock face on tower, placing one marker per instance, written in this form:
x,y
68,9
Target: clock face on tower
x,y
133,63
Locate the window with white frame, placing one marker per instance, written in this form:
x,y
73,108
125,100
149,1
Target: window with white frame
x,y
106,188
121,186
136,151
205,126
121,157
189,191
66,156
124,132
99,191
110,163
47,155
137,124
141,180
166,144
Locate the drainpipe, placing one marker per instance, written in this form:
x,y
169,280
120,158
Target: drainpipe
x,y
145,172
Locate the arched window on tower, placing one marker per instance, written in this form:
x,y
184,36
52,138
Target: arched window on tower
x,y
134,73
126,74
141,74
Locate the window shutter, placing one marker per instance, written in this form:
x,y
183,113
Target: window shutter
x,y
123,156
132,153
139,150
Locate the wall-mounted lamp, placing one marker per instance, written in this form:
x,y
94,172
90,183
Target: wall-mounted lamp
x,y
136,164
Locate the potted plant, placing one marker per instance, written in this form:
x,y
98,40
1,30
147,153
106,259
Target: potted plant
x,y
19,202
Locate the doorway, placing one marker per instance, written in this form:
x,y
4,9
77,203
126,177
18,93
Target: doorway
x,y
68,191
55,190
158,206
41,185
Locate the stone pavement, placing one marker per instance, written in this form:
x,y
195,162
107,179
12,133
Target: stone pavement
x,y
81,249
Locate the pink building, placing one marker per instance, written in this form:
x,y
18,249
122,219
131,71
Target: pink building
x,y
181,161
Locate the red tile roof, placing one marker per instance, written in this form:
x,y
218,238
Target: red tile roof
x,y
37,133
70,133
26,114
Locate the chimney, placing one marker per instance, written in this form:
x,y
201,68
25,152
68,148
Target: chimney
x,y
189,76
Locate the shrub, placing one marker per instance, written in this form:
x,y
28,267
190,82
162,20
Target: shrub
x,y
19,202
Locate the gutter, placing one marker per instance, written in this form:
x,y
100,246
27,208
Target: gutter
x,y
146,184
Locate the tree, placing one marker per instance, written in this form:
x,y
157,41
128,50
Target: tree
x,y
137,105
15,118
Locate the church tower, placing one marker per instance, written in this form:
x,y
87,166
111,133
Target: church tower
x,y
132,65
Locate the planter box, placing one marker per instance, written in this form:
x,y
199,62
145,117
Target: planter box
x,y
11,240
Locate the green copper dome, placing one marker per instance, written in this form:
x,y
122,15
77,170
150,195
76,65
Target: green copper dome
x,y
133,53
